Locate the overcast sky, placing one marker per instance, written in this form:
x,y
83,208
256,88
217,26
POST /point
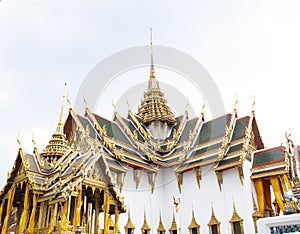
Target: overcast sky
x,y
248,47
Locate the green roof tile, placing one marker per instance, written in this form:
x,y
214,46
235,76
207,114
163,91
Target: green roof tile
x,y
228,161
206,149
235,148
268,156
189,125
239,129
213,129
85,122
113,130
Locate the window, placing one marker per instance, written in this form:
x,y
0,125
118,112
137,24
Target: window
x,y
214,229
237,228
130,231
214,224
194,231
236,222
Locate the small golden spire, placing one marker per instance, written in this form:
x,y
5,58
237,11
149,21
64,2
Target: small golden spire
x,y
145,226
161,227
173,225
59,128
129,224
235,217
213,219
152,75
194,223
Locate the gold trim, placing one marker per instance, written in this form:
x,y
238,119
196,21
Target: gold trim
x,y
213,221
194,224
145,226
129,223
173,225
236,218
161,227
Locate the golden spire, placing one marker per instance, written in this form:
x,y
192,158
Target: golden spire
x,y
59,128
194,223
129,223
235,217
173,225
154,106
213,219
58,145
145,226
152,71
161,227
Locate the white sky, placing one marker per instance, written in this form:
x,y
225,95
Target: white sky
x,y
248,47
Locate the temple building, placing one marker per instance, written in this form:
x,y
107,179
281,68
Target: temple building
x,y
149,172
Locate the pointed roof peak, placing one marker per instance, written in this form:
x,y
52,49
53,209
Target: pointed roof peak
x,y
161,227
152,71
129,223
194,223
174,224
59,128
154,106
145,224
58,144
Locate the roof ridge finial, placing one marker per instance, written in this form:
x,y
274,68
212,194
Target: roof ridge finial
x,y
59,128
253,104
18,140
33,140
235,105
152,75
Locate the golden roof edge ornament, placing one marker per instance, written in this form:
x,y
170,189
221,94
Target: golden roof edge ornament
x,y
202,109
18,140
253,104
235,105
114,105
33,140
